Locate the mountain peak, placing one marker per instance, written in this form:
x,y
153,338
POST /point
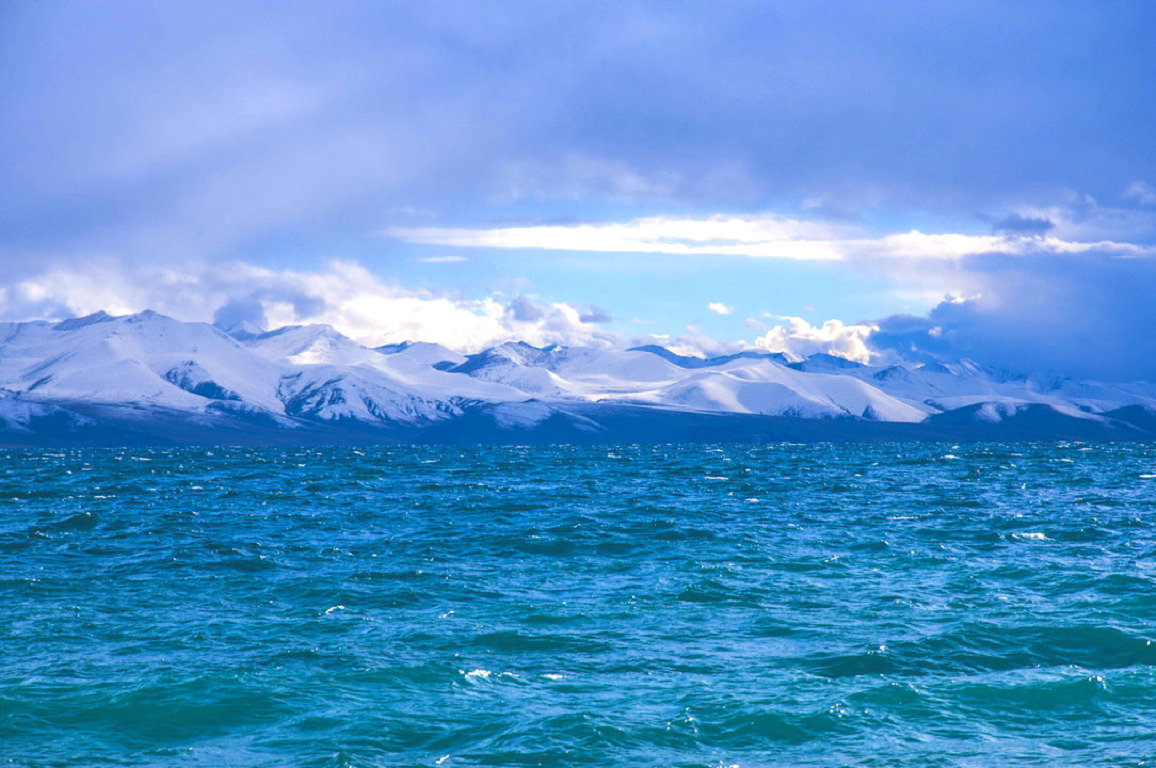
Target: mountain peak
x,y
823,362
146,315
314,378
242,330
73,323
682,361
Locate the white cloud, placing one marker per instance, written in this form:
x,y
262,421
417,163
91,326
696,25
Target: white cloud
x,y
343,294
719,308
1142,192
798,337
766,236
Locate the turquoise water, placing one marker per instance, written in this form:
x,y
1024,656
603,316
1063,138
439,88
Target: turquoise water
x,y
894,605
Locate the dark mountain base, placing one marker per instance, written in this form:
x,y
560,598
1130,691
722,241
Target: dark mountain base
x,y
90,425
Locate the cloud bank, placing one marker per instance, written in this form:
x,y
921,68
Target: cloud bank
x,y
798,337
343,294
193,130
1088,315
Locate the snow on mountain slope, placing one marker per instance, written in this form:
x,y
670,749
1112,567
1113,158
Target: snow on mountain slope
x,y
242,331
433,355
613,369
144,358
152,360
533,381
948,387
19,415
311,345
332,377
519,366
332,393
585,373
295,376
510,353
1096,396
824,363
685,361
724,393
769,388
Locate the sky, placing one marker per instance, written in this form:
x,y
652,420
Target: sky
x,y
902,181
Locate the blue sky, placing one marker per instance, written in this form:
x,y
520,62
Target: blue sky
x,y
886,181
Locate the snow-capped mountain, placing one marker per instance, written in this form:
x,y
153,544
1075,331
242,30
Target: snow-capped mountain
x,y
150,378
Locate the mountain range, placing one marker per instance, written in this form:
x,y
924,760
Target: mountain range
x,y
151,379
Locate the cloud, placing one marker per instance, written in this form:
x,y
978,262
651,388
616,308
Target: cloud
x,y
794,238
798,337
343,294
1089,317
522,310
764,236
719,308
195,141
205,130
1014,224
1081,218
1142,192
594,314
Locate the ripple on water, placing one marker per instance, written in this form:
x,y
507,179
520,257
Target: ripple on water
x,y
893,605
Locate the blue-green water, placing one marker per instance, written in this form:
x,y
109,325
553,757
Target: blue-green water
x,y
896,605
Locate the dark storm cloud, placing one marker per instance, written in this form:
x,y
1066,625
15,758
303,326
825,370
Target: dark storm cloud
x,y
1089,316
166,128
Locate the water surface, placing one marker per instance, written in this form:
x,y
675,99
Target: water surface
x,y
892,605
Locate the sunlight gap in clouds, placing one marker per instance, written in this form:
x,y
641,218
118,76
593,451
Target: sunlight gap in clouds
x,y
765,236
